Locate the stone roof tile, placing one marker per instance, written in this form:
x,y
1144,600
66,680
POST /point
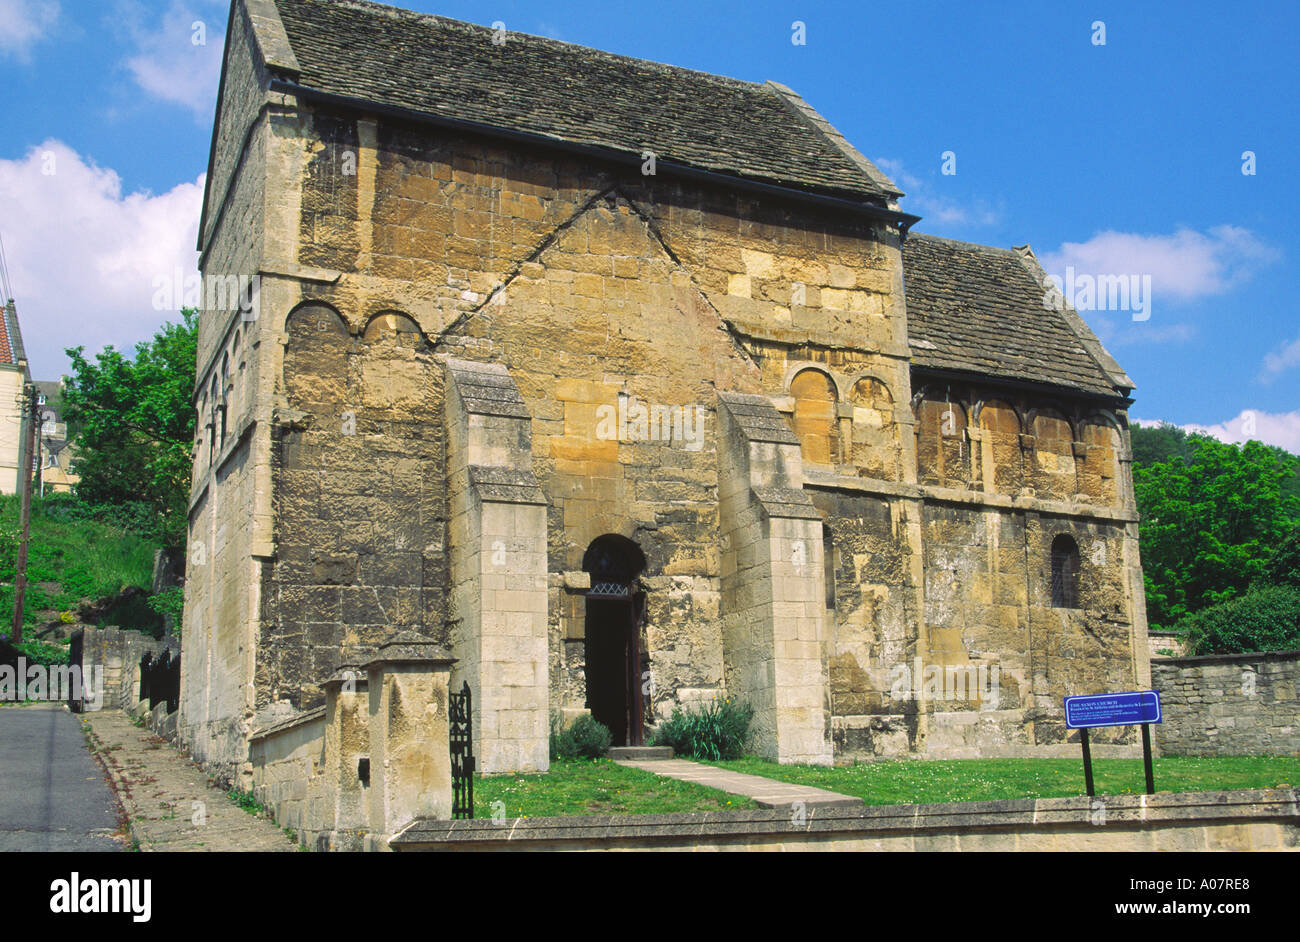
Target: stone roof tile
x,y
445,68
979,309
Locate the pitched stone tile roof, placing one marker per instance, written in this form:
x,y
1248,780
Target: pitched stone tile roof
x,y
979,309
576,95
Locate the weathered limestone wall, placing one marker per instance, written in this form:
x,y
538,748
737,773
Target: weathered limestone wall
x,y
117,653
229,513
407,685
951,578
596,297
359,495
1229,704
348,775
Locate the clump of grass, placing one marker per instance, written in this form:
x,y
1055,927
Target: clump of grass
x,y
246,801
715,731
584,738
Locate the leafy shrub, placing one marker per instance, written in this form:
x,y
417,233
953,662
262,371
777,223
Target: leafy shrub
x,y
1264,619
583,738
133,611
714,731
169,603
38,652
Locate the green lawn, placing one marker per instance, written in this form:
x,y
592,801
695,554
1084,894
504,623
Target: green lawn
x,y
913,781
585,786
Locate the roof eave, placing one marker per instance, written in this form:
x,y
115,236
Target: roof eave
x,y
1119,397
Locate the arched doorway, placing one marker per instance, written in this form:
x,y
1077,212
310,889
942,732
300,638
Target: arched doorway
x,y
615,660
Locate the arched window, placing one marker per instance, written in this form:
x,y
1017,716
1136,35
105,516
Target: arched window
x,y
815,423
1065,572
942,456
212,424
225,394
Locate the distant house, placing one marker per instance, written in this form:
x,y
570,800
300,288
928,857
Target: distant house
x,y
54,469
14,377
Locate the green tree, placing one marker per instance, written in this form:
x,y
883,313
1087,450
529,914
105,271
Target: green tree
x,y
1210,523
1152,445
136,425
1284,568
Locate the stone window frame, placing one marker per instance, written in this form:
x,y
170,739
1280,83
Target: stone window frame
x,y
1064,562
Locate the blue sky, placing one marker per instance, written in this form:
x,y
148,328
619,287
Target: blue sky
x,y
1122,158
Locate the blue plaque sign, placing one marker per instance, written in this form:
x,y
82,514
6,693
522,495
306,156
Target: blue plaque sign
x,y
1112,709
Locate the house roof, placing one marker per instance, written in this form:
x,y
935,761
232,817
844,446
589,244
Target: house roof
x,y
978,309
11,337
444,68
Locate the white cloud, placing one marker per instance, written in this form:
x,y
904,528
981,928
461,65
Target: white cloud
x,y
1184,266
1126,333
84,260
1281,360
935,210
1271,428
23,23
177,58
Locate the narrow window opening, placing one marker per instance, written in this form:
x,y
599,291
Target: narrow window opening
x,y
1065,572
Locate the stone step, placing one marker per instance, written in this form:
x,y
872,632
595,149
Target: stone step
x,y
639,753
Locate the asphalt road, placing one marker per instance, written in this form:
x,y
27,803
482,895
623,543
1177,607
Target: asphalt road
x,y
53,795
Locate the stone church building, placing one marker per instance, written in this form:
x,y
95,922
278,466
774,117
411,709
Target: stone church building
x,y
629,387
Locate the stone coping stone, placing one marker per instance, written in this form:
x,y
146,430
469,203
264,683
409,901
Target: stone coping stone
x,y
409,647
302,719
1169,662
1246,806
786,503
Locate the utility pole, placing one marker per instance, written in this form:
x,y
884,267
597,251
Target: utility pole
x,y
25,469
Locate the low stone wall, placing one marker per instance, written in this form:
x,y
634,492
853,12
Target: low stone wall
x,y
119,652
1159,641
374,758
1229,704
1266,819
287,760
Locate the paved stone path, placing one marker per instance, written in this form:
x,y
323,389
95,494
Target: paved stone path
x,y
170,802
53,794
766,792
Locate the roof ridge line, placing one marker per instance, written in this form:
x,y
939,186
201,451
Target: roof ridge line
x,y
959,242
401,13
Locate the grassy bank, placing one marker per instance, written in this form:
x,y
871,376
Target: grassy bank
x,y
911,781
71,560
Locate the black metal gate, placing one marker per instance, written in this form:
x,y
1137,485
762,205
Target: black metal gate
x,y
459,717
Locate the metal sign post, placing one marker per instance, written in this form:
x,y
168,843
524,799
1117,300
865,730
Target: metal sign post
x,y
1133,708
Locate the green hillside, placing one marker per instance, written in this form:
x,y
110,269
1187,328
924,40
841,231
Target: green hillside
x,y
78,566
